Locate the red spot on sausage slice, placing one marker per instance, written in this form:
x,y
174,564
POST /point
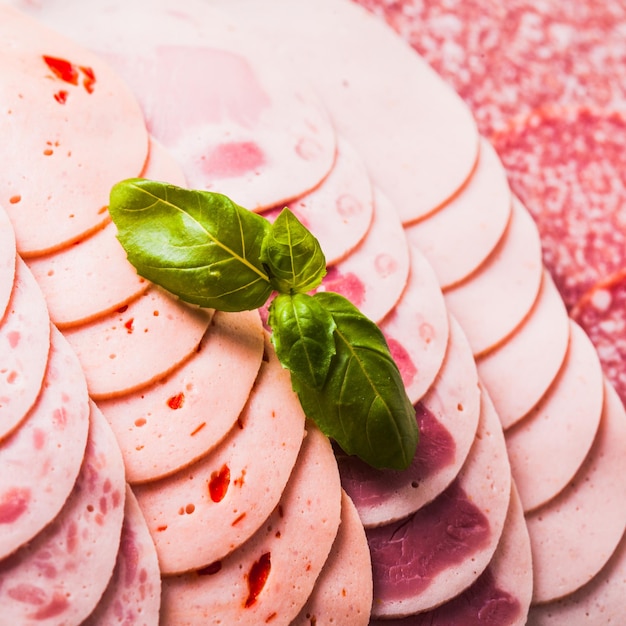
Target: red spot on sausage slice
x,y
177,401
257,577
13,504
229,160
62,69
218,484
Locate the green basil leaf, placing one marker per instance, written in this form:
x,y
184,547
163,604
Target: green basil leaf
x,y
363,405
198,245
293,255
302,334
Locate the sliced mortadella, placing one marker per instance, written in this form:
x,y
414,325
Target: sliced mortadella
x,y
24,349
375,274
417,328
133,595
458,237
587,519
500,595
170,425
56,174
561,428
426,559
93,276
519,372
7,261
48,448
340,211
59,576
447,418
139,343
343,591
200,514
509,280
272,575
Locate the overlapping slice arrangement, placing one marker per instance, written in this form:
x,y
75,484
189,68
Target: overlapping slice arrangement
x,y
250,515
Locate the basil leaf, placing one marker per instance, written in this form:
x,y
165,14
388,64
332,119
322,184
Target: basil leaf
x,y
302,334
363,405
293,255
198,245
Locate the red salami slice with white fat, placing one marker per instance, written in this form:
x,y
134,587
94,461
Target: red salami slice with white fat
x,y
271,576
561,428
139,343
343,591
7,261
509,280
447,418
41,460
460,235
375,274
163,428
71,130
133,596
60,575
93,276
519,372
430,557
417,328
587,519
229,491
24,349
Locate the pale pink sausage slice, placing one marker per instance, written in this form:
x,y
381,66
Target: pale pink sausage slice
x,y
549,445
374,275
138,344
41,460
343,591
269,579
574,534
60,575
24,349
417,328
7,261
231,491
518,372
163,428
133,596
93,276
458,237
71,129
447,417
509,280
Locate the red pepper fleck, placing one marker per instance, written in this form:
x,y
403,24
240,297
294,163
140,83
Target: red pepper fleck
x,y
211,569
89,79
160,529
63,69
61,96
271,617
177,401
129,325
123,308
238,519
218,483
257,577
196,430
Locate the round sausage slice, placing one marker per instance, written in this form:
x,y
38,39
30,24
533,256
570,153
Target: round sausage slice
x,y
7,261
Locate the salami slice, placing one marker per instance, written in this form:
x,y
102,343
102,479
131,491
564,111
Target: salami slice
x,y
24,349
61,574
164,428
48,448
221,492
271,576
561,428
7,261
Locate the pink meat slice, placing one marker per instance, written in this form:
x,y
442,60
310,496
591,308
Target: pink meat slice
x,y
139,343
509,279
133,596
270,578
592,506
428,558
7,261
561,428
60,575
458,237
56,176
343,591
519,372
24,349
417,328
203,512
164,428
375,274
447,417
41,460
93,277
